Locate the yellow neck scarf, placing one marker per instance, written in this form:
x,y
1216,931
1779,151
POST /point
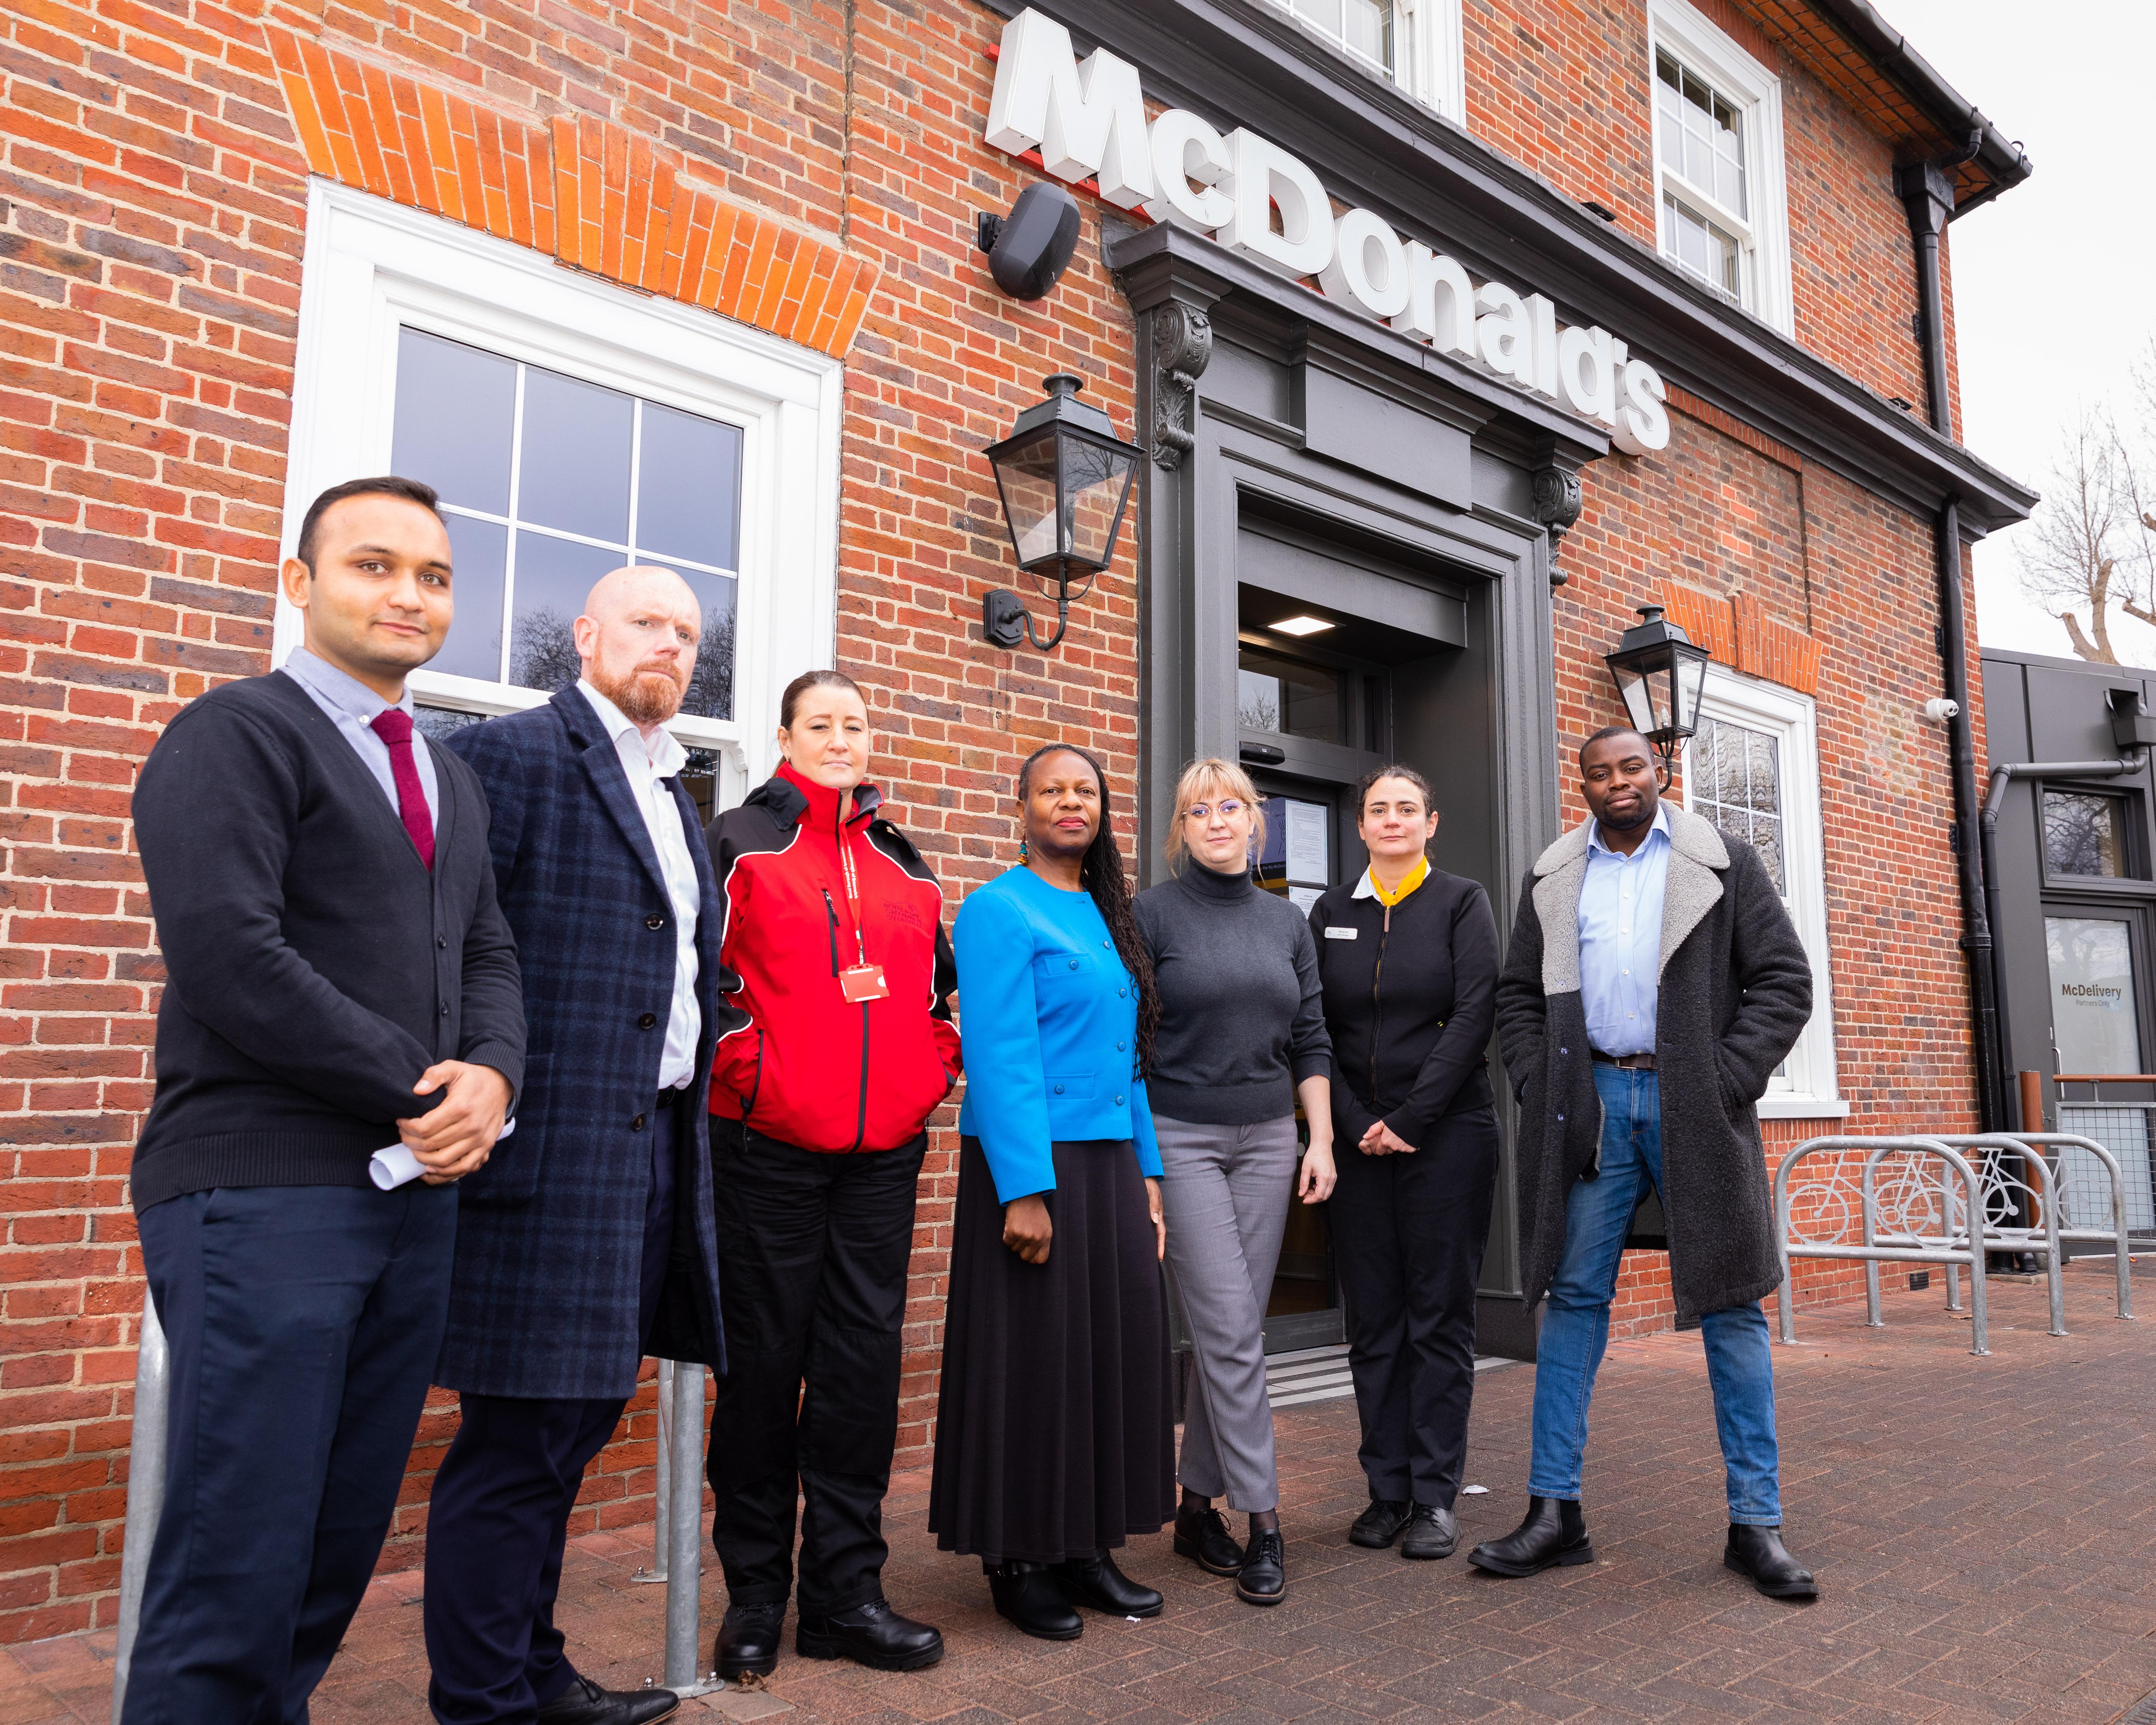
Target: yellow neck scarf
x,y
1416,875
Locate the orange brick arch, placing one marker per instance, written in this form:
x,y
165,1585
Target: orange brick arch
x,y
589,193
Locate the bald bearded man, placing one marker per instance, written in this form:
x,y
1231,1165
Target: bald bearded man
x,y
588,1242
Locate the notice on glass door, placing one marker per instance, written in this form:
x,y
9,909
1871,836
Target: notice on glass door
x,y
1303,897
1306,844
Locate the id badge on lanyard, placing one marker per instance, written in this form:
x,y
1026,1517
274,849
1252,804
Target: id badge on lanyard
x,y
861,981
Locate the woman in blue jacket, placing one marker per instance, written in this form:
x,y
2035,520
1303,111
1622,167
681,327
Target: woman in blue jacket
x,y
1055,1433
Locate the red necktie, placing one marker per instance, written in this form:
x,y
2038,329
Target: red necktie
x,y
394,725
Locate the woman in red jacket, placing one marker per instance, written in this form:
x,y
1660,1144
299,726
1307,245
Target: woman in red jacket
x,y
835,1044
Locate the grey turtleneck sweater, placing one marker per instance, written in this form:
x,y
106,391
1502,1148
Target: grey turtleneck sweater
x,y
1242,1016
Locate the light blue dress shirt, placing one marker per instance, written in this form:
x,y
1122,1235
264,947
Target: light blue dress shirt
x,y
1620,939
352,706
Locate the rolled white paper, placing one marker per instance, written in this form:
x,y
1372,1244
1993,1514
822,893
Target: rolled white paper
x,y
393,1166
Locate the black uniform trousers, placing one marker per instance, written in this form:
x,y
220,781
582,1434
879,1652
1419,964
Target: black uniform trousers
x,y
816,1247
499,1516
303,1323
1408,1234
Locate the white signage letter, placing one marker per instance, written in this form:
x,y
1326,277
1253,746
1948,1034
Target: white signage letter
x,y
1440,305
1185,148
1266,175
1085,120
1369,267
1587,371
1643,422
1540,374
1503,337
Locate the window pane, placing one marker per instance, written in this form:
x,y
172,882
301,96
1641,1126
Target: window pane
x,y
1325,15
456,409
2095,1021
553,576
1310,697
2083,835
688,488
576,457
434,723
1365,30
480,553
1738,785
711,685
1257,701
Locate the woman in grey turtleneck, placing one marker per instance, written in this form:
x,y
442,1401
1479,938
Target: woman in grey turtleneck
x,y
1242,1034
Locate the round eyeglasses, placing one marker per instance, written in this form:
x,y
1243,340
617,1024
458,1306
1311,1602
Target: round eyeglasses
x,y
1206,811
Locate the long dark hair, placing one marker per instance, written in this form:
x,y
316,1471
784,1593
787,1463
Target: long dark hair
x,y
1101,872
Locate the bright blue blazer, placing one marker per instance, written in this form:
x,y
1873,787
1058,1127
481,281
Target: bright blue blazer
x,y
1048,1019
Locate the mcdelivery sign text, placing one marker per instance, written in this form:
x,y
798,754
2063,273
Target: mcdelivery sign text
x,y
1088,122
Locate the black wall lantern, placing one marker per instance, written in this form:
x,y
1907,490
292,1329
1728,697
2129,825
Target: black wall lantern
x,y
1065,477
1660,671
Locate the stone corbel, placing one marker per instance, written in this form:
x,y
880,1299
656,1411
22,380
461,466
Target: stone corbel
x,y
1182,348
1556,503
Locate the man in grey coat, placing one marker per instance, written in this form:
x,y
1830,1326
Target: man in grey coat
x,y
1654,984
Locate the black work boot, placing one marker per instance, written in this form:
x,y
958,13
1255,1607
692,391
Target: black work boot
x,y
1096,1582
872,1635
1759,1554
1379,1525
1554,1533
1263,1579
1027,1594
748,1640
1432,1532
1202,1535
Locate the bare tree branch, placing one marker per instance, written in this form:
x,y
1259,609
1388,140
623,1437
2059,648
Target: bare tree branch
x,y
2072,547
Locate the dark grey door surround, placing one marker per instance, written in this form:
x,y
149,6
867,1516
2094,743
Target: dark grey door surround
x,y
1259,400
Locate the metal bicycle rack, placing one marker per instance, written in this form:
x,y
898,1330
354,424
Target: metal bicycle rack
x,y
2116,1236
1907,1246
678,1534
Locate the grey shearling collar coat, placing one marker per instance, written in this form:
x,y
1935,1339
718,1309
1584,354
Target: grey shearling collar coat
x,y
1734,994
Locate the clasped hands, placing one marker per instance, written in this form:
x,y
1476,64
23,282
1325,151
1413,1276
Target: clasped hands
x,y
1381,1140
455,1137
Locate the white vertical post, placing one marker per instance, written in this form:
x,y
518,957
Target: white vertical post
x,y
145,1488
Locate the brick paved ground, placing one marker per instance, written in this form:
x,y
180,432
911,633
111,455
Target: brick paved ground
x,y
1984,1532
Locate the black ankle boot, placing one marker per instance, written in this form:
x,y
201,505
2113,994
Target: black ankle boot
x,y
1027,1594
1202,1535
1554,1533
1759,1554
748,1639
1096,1582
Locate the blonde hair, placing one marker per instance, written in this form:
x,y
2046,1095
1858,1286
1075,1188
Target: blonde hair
x,y
1202,781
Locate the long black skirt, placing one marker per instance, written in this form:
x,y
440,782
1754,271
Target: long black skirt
x,y
1055,1429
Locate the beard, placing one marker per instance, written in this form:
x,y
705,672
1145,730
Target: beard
x,y
650,695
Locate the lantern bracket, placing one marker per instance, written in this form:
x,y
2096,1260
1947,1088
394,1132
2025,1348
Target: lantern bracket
x,y
1006,622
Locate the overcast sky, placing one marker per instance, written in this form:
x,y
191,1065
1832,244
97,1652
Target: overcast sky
x,y
2055,282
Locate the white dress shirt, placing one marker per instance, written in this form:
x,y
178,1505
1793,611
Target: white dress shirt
x,y
352,706
1620,939
648,761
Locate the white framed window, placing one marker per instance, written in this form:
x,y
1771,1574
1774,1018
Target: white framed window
x,y
1721,192
571,425
1752,769
1416,43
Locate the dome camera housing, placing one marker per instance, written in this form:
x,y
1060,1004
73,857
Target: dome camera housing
x,y
1030,248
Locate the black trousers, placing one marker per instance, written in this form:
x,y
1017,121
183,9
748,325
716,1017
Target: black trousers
x,y
815,1247
499,1516
1408,1233
303,1322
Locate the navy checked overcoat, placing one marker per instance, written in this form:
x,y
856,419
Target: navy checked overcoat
x,y
550,1233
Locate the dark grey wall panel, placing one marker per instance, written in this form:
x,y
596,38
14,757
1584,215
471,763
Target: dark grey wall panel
x,y
1343,422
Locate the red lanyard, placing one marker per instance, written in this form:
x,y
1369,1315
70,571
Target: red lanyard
x,y
852,882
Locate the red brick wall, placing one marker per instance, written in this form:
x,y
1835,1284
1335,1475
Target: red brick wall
x,y
153,185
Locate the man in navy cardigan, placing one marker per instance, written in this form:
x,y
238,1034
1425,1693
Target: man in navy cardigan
x,y
338,981
588,1243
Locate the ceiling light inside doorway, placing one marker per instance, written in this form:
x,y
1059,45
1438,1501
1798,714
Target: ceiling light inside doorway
x,y
1300,625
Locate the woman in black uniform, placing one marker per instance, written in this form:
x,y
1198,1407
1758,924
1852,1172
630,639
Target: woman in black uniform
x,y
1408,957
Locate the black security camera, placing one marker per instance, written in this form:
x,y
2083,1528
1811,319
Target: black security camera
x,y
1030,248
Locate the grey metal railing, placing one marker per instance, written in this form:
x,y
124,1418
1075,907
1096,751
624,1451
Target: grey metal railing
x,y
2004,1195
1902,1245
2116,1236
678,1537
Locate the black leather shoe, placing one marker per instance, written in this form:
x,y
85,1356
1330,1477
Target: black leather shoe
x,y
1263,1579
1379,1525
1432,1532
584,1702
1202,1535
871,1635
1554,1533
748,1640
1097,1584
1759,1554
1027,1594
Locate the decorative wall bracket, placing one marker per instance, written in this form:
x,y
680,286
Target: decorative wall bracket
x,y
1182,348
1556,503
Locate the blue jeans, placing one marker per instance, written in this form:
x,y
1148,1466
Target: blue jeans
x,y
1576,1321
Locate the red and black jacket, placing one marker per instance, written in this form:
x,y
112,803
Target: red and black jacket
x,y
797,1060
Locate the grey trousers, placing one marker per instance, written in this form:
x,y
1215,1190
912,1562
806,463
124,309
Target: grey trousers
x,y
1225,1191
